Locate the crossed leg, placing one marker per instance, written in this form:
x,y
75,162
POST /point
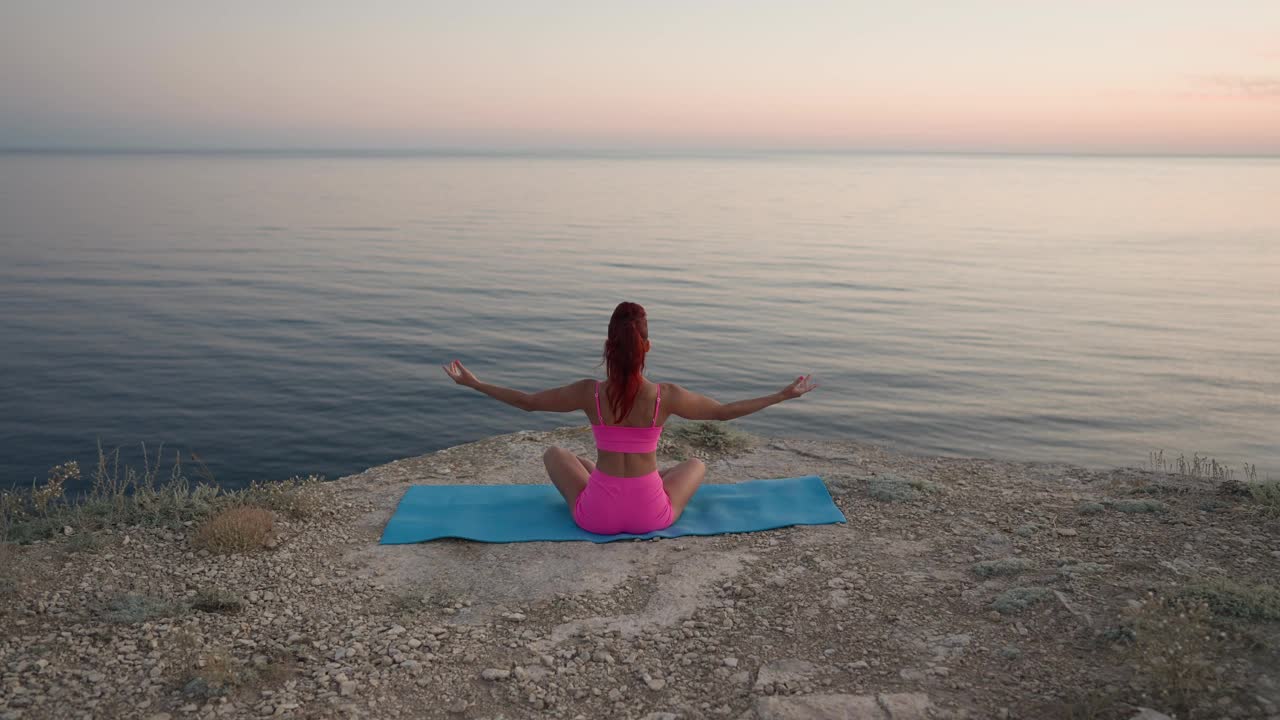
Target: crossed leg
x,y
681,482
569,473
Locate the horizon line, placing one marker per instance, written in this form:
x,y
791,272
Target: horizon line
x,y
611,151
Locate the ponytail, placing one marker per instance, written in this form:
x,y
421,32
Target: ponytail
x,y
624,356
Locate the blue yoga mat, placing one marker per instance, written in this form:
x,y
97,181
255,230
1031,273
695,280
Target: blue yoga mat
x,y
525,513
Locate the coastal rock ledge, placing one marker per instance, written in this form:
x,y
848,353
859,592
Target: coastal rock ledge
x,y
958,588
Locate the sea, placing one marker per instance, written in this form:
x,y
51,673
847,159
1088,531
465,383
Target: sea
x,y
286,313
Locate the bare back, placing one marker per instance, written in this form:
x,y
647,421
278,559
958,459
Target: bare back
x,y
621,464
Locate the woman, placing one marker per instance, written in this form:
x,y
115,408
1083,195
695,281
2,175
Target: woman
x,y
623,490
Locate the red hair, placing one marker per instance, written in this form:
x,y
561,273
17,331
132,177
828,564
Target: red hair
x,y
624,356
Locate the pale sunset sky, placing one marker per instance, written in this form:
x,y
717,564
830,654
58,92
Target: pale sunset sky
x,y
1124,76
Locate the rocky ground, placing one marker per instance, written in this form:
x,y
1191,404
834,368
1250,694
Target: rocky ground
x,y
959,588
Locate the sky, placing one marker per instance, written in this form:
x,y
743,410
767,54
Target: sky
x,y
1122,76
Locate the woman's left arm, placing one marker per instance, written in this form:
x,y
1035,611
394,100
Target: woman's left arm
x,y
562,399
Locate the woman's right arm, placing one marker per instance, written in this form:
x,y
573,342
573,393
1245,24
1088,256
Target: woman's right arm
x,y
693,406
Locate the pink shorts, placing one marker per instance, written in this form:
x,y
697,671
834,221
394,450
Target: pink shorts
x,y
611,505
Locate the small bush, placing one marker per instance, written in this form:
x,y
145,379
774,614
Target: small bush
x,y
1090,508
716,437
1081,705
82,542
1003,566
292,498
1072,569
236,529
1233,599
891,488
1173,653
1266,494
8,564
131,609
1015,600
206,673
217,600
1139,506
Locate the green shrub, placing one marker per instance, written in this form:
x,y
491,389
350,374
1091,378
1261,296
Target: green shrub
x,y
292,498
1072,569
1174,653
891,488
1233,599
1266,494
132,608
1003,566
711,436
1138,506
150,497
1015,600
217,600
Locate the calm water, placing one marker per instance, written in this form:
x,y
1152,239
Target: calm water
x,y
288,314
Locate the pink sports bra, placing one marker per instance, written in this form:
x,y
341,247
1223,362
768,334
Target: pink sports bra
x,y
620,438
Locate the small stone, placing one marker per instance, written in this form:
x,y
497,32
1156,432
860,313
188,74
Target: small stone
x,y
906,706
457,707
1067,532
654,683
795,707
787,672
316,581
347,688
1149,714
731,662
492,674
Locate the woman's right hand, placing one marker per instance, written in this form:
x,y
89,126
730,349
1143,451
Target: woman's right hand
x,y
802,385
460,374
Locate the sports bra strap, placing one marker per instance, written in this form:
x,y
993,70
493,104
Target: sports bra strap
x,y
599,416
657,403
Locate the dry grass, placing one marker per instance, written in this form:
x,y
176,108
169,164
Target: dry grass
x,y
217,600
1015,600
236,529
891,488
1232,599
1138,506
1266,494
291,498
132,608
8,566
207,672
1003,566
1174,653
703,438
160,494
1199,465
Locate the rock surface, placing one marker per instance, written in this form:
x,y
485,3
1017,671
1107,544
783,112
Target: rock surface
x,y
883,617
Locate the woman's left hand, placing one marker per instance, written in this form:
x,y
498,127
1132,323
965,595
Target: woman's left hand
x,y
460,374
